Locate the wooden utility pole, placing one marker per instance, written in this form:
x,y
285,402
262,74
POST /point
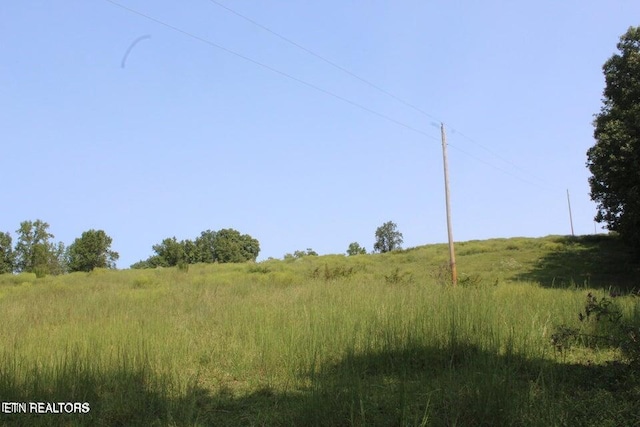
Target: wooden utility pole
x,y
452,255
570,216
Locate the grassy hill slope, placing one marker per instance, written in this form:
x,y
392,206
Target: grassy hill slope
x,y
331,340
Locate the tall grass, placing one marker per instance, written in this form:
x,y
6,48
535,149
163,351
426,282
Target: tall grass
x,y
319,341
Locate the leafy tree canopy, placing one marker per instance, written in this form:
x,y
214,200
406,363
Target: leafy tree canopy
x,y
226,245
205,246
355,249
91,250
6,254
231,246
35,252
299,254
614,160
388,238
169,253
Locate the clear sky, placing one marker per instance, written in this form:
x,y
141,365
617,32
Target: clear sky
x,y
188,137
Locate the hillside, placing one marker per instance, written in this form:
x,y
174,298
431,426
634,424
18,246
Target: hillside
x,y
331,340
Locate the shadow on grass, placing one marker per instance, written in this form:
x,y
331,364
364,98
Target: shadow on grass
x,y
128,396
457,385
595,261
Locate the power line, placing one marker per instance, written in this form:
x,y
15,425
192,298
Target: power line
x,y
317,88
499,156
272,69
497,168
369,83
322,58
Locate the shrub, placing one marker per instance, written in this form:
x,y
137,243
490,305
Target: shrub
x,y
602,323
332,273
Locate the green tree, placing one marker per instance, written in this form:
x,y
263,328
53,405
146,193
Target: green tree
x,y
388,238
91,250
58,264
205,246
299,254
35,252
191,252
614,160
231,246
168,253
355,249
308,252
226,245
6,254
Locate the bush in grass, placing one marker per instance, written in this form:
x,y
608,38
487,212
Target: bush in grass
x,y
356,249
397,278
183,266
602,322
332,273
143,282
300,254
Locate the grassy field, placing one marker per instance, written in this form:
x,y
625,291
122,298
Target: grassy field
x,y
329,341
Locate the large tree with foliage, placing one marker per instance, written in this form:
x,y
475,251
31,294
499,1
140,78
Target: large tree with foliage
x,y
231,246
614,160
191,252
91,250
35,252
6,253
388,238
169,253
205,250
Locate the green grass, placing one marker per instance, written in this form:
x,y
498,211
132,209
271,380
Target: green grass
x,y
331,340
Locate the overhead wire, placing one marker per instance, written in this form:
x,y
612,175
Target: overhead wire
x,y
275,70
322,58
500,157
478,159
322,90
376,87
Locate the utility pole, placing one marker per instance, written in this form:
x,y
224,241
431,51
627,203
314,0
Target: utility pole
x,y
570,216
452,255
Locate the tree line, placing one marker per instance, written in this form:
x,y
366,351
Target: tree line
x,y
388,239
36,252
226,245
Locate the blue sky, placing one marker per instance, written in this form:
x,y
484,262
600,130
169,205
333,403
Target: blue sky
x,y
188,137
